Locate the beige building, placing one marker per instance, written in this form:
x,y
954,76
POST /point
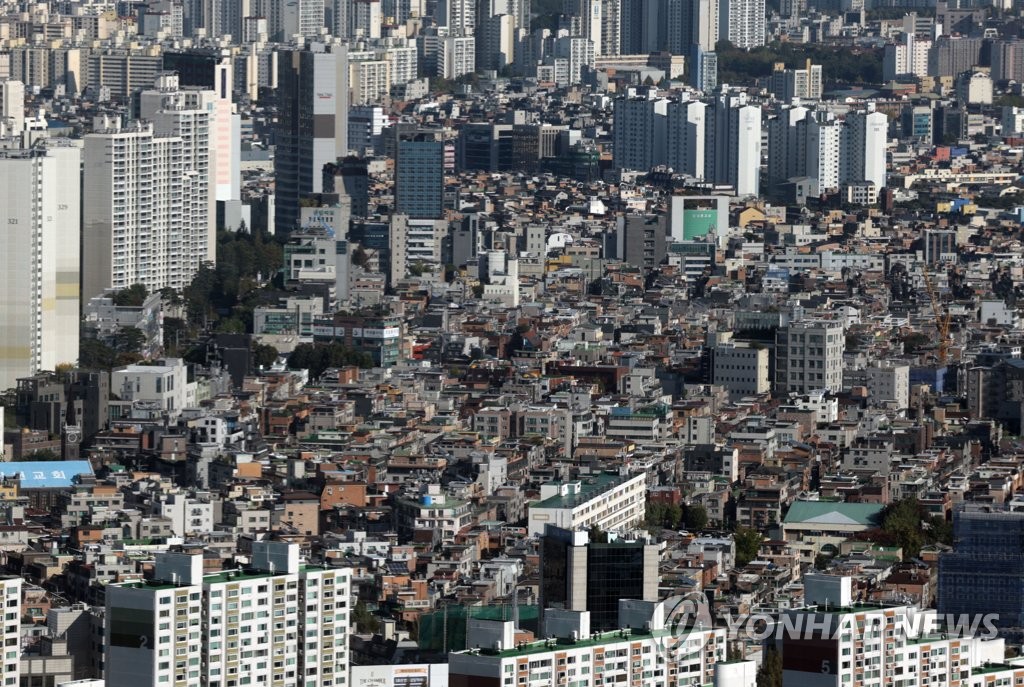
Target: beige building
x,y
39,253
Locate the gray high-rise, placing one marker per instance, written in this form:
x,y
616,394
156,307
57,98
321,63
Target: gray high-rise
x,y
985,571
312,125
419,175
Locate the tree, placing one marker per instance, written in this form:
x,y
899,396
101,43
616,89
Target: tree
x,y
360,258
93,354
770,672
134,296
366,622
748,541
907,524
128,340
318,357
696,517
264,355
597,535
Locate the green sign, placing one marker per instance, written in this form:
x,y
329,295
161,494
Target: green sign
x,y
698,223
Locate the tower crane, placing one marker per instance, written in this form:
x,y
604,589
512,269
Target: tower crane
x,y
941,314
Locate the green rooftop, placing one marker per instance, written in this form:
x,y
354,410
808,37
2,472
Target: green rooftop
x,y
827,513
589,487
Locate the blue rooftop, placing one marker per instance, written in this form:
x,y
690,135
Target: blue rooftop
x,y
46,474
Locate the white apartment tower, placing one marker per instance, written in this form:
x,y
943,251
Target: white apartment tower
x,y
192,116
40,235
12,107
457,56
457,15
742,23
138,221
611,27
864,141
10,669
277,622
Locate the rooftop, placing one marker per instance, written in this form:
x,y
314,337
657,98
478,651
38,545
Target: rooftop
x,y
589,488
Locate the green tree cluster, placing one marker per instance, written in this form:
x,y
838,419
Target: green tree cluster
x,y
134,296
231,285
770,672
671,515
748,541
842,65
317,357
366,622
910,526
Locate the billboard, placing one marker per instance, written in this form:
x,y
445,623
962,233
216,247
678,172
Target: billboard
x,y
419,675
699,222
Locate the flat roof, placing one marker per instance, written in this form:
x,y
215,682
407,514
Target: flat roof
x,y
590,487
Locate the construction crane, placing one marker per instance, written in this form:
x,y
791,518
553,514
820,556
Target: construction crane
x,y
941,314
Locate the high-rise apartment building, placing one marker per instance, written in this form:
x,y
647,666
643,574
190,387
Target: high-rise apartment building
x,y
684,135
577,574
456,56
742,23
638,133
139,224
419,175
192,115
787,84
1008,61
39,251
12,107
611,27
809,356
293,18
10,668
457,15
734,144
312,126
837,641
276,622
589,14
863,148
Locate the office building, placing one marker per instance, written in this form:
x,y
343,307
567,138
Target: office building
x,y
276,621
419,175
39,250
606,500
741,368
984,573
577,574
294,18
696,217
349,177
809,356
641,240
312,126
742,22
